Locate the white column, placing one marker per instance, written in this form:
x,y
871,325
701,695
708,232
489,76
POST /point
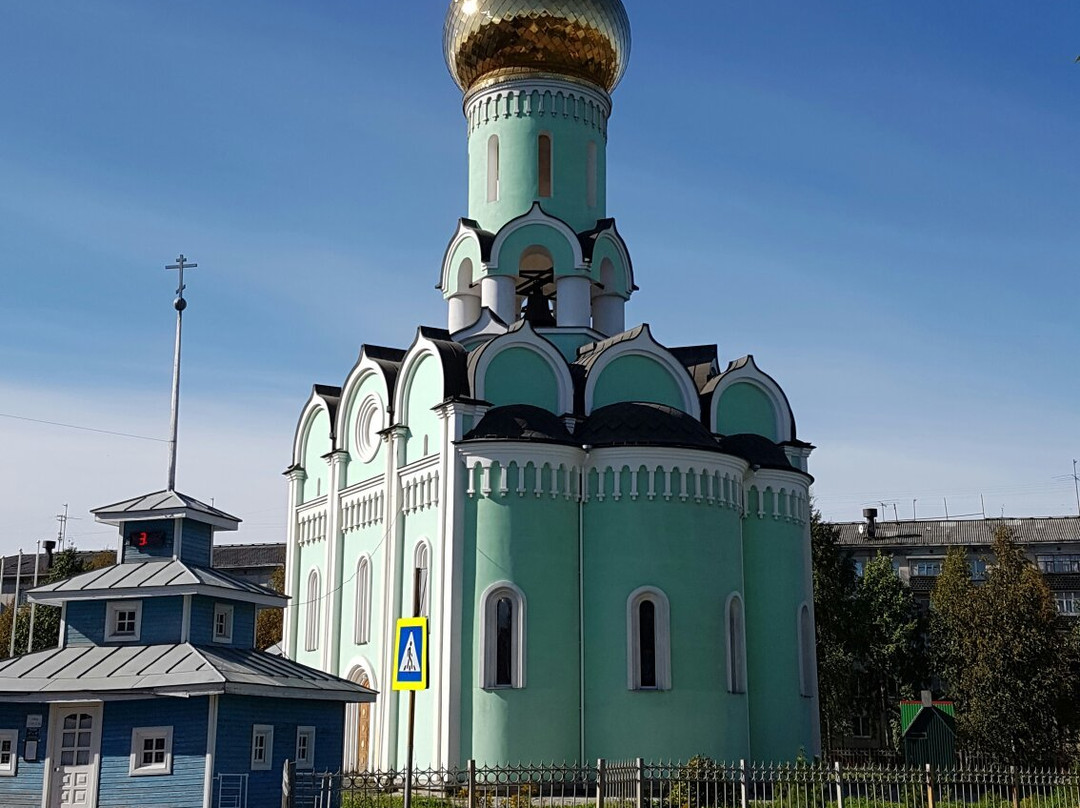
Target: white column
x,y
609,314
464,310
292,564
572,301
498,293
335,552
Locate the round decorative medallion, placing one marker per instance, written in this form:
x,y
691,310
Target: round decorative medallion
x,y
369,422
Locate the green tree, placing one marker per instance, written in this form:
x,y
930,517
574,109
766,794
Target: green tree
x,y
46,619
268,622
835,615
1005,657
892,658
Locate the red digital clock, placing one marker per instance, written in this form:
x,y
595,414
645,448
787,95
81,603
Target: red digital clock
x,y
142,539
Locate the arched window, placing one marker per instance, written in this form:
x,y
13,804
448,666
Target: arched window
x,y
502,628
493,169
362,628
736,645
421,578
543,164
591,179
648,640
314,602
806,653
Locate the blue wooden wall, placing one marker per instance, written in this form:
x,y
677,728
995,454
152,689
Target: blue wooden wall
x,y
161,622
24,789
195,544
184,787
202,622
238,714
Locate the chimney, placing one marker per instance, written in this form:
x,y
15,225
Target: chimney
x,y
870,514
49,545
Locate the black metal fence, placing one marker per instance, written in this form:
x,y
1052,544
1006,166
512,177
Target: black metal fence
x,y
699,783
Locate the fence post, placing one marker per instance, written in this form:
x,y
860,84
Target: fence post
x,y
640,796
745,799
286,786
600,783
1015,787
839,785
472,783
929,787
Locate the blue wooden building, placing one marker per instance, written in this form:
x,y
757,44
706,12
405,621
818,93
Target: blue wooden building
x,y
156,695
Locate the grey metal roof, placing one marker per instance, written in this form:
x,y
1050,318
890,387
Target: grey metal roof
x,y
146,578
165,505
1028,530
243,556
138,671
27,569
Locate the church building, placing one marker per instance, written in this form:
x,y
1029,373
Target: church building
x,y
610,536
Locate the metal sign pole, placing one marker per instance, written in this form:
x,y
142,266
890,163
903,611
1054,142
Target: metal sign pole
x,y
412,703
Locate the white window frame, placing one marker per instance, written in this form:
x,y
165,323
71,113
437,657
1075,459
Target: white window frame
x,y
489,632
266,731
139,735
422,564
1067,602
805,631
736,643
112,610
662,638
362,617
306,763
914,563
312,615
227,610
11,768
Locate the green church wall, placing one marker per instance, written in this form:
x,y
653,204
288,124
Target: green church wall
x,y
692,553
365,541
636,378
424,391
316,447
309,557
745,408
519,171
521,376
568,342
532,543
776,586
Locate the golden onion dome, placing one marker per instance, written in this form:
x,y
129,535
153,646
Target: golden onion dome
x,y
581,39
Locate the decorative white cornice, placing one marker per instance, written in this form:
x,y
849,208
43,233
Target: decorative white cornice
x,y
790,495
535,97
363,504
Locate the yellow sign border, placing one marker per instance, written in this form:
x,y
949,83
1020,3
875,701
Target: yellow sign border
x,y
403,623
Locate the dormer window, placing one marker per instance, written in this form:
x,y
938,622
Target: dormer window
x,y
223,622
123,621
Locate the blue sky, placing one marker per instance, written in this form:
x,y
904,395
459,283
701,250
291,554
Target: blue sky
x,y
879,200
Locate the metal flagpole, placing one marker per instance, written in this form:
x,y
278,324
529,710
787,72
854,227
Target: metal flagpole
x,y
33,606
15,605
179,304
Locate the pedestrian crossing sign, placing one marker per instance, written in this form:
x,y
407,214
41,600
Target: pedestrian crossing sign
x,y
410,654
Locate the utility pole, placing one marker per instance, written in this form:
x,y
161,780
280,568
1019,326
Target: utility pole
x,y
1076,488
62,518
179,304
33,604
15,605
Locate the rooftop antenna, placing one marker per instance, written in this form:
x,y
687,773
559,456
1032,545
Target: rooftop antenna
x,y
61,533
1076,488
179,304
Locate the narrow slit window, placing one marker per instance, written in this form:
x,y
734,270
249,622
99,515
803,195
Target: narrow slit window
x,y
314,597
502,627
363,602
421,579
493,169
504,642
648,640
544,165
647,643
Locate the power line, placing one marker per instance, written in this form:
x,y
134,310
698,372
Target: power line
x,y
82,428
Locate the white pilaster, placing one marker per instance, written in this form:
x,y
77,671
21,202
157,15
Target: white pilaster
x,y
609,314
335,554
572,299
296,478
499,293
464,310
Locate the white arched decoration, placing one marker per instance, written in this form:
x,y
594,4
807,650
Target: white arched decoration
x,y
643,344
503,665
362,614
735,629
316,404
313,610
362,371
536,215
746,371
360,724
648,668
422,578
452,261
523,336
421,348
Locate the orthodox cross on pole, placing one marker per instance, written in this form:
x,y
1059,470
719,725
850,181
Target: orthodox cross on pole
x,y
179,304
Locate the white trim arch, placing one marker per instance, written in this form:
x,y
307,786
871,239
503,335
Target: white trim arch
x,y
643,345
464,233
364,369
523,337
362,601
612,236
422,347
312,610
421,567
315,404
536,215
749,373
735,635
489,652
637,675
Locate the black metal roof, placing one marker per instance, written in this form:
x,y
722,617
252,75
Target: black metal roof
x,y
757,451
635,423
521,422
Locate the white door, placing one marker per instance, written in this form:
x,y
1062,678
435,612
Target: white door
x,y
74,743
